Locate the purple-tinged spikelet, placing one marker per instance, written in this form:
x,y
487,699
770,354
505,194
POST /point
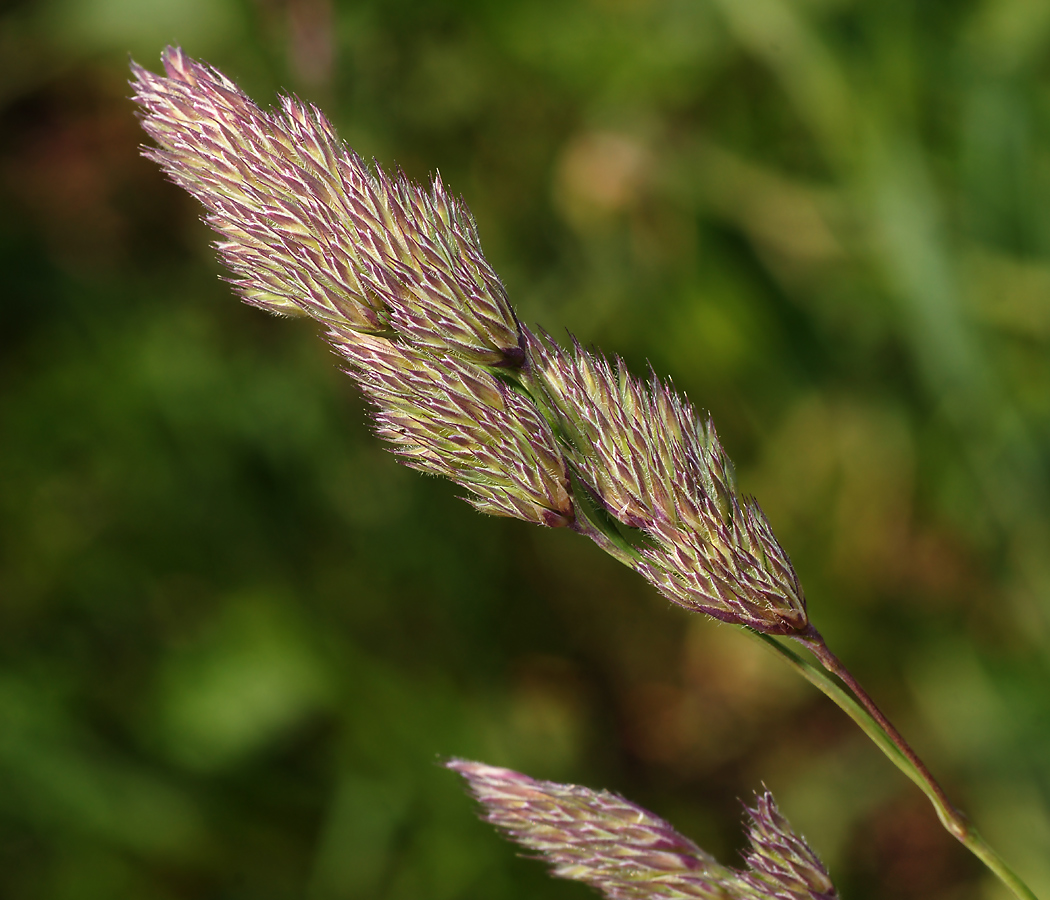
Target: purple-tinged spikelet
x,y
595,837
308,228
654,464
628,853
441,291
450,418
780,860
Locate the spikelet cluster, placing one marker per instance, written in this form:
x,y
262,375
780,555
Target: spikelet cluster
x,y
782,861
595,837
396,274
627,853
459,421
394,271
308,228
654,464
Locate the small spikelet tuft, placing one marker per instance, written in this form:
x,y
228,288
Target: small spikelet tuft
x,y
308,228
623,850
781,860
447,417
655,464
595,837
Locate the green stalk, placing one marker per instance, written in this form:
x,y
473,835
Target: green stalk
x,y
862,709
857,704
830,688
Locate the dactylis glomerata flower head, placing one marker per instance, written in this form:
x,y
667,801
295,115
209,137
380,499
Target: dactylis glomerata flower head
x,y
460,389
627,853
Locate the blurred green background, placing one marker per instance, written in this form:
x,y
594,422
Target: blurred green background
x,y
236,639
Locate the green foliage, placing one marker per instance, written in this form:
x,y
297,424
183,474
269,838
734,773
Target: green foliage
x,y
236,636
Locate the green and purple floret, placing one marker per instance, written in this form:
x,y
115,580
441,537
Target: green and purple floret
x,y
396,274
629,854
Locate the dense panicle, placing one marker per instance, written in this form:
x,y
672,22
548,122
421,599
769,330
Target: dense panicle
x,y
397,275
654,464
780,860
625,851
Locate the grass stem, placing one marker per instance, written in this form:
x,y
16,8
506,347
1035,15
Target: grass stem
x,y
860,707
